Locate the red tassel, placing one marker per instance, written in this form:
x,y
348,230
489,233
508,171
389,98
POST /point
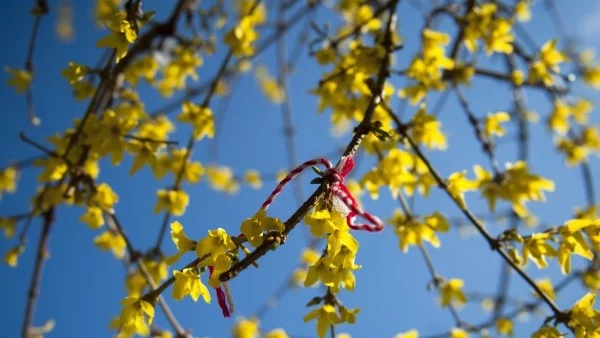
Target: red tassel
x,y
221,297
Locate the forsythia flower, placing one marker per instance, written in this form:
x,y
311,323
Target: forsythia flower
x,y
93,217
121,35
241,38
522,11
222,179
199,117
133,312
413,231
252,177
537,248
427,69
174,201
254,227
111,241
583,318
325,317
458,184
572,242
425,128
104,197
75,72
493,126
269,86
215,244
408,334
549,59
518,186
8,180
245,328
546,286
547,332
504,326
11,257
451,292
458,333
277,333
9,225
187,282
20,79
182,242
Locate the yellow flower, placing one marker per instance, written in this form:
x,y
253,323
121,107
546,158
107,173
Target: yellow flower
x,y
270,86
493,126
504,326
310,256
104,197
458,333
547,332
182,242
425,128
215,244
135,283
75,72
111,241
549,59
591,279
133,312
20,79
451,292
325,317
584,318
187,282
522,11
245,328
546,286
201,118
252,177
363,17
277,333
174,201
500,38
517,77
538,249
408,334
11,257
222,179
321,222
572,242
458,184
93,217
241,37
8,180
120,36
9,225
415,231
254,226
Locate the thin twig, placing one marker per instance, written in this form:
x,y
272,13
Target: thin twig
x,y
36,276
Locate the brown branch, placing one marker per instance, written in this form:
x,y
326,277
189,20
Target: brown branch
x,y
36,276
41,9
286,106
486,143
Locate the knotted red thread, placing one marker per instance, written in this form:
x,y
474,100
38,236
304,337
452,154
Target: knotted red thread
x,y
338,190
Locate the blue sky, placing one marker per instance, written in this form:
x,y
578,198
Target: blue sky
x,y
82,286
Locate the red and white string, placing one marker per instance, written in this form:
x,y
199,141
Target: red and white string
x,y
338,190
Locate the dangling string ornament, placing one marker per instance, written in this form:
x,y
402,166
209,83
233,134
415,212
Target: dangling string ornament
x,y
343,201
